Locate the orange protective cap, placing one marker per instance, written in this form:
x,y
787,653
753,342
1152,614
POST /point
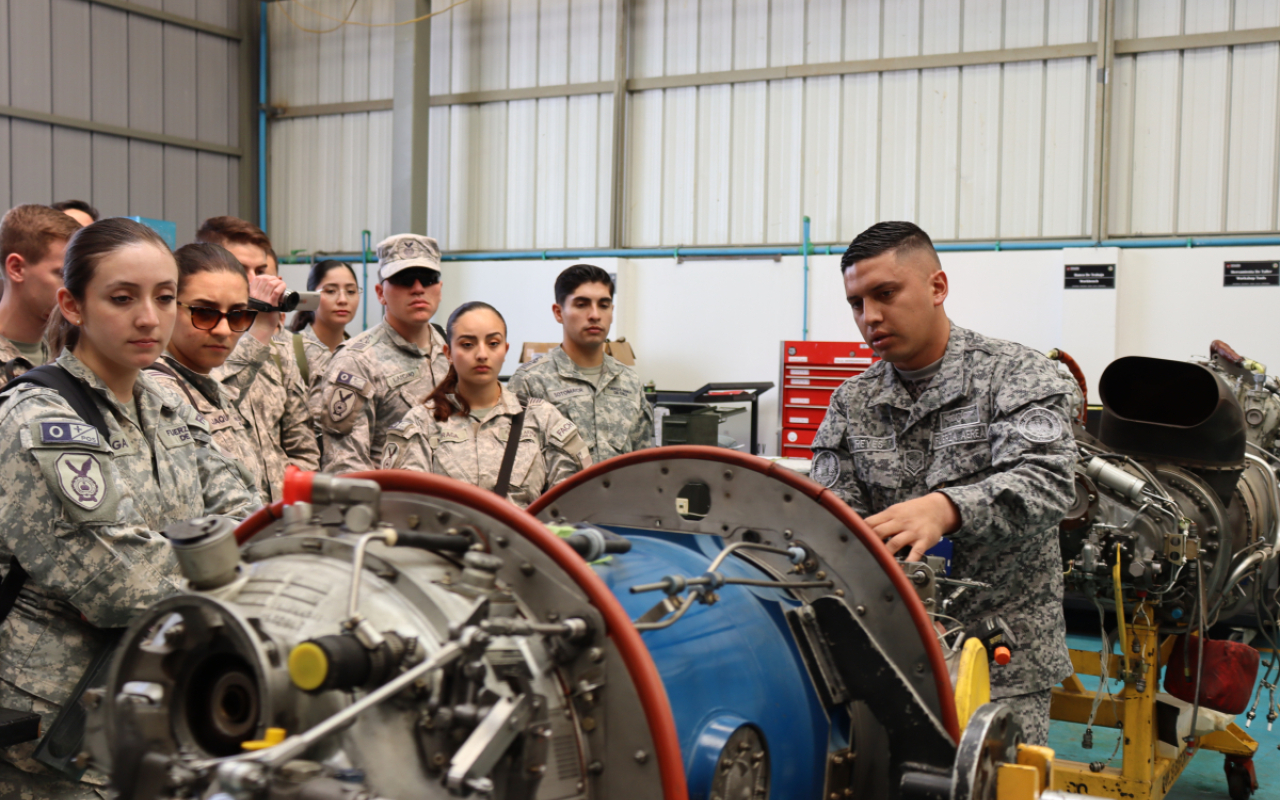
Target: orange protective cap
x,y
1003,655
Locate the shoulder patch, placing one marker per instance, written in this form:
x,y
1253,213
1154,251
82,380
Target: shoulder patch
x,y
341,404
533,401
349,379
80,479
562,432
826,469
68,432
1039,425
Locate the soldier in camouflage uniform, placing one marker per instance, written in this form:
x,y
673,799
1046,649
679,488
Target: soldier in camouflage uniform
x,y
465,427
81,509
32,240
317,334
377,376
262,368
603,396
958,434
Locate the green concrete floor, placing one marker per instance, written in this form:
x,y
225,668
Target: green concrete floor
x,y
1203,778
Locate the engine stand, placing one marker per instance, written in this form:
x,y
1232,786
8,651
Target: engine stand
x,y
1143,774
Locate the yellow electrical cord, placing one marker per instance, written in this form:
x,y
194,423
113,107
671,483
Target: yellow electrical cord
x,y
348,21
1124,638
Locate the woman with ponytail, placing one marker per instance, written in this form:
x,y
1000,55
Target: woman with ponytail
x,y
95,461
317,334
472,429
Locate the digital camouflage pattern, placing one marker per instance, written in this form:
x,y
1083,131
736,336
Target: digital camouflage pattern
x,y
405,251
13,363
274,401
216,403
372,382
82,515
318,358
1032,710
550,447
612,415
992,433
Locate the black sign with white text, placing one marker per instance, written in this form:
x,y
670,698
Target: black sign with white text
x,y
1251,273
1090,276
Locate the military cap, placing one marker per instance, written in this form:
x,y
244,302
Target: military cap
x,y
405,251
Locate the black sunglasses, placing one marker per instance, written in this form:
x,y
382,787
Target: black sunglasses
x,y
406,278
206,319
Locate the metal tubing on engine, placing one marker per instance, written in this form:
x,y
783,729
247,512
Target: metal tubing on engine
x,y
1275,494
1115,478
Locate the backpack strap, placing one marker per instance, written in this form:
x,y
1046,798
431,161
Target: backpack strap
x,y
503,485
300,353
52,376
163,368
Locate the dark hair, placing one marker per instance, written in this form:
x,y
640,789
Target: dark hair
x,y
85,251
77,205
318,272
233,230
567,282
199,257
29,230
882,237
443,408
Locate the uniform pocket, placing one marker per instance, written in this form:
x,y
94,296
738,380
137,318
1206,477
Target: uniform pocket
x,y
959,463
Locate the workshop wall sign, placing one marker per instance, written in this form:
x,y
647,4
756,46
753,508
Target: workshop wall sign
x,y
1251,273
1090,276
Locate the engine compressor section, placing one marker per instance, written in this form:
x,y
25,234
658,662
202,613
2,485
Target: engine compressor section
x,y
678,623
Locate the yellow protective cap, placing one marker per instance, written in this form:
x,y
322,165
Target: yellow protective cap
x,y
273,737
308,666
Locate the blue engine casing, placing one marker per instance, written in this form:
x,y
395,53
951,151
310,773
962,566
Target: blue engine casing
x,y
730,663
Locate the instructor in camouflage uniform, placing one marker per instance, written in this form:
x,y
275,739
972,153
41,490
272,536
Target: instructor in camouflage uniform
x,y
376,377
603,396
956,434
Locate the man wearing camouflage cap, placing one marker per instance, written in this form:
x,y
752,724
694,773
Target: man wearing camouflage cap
x,y
376,377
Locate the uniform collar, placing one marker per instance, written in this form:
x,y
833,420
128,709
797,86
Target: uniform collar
x,y
947,385
508,404
437,341
568,368
148,395
207,386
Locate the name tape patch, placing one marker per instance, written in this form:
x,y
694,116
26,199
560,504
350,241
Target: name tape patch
x,y
962,435
872,444
565,394
617,391
68,433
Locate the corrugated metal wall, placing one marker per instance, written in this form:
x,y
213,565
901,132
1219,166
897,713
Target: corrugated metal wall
x,y
976,152
92,62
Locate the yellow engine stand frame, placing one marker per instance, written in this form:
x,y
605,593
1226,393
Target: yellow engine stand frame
x,y
1143,774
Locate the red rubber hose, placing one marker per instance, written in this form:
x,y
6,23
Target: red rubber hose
x,y
1077,373
258,520
634,653
838,508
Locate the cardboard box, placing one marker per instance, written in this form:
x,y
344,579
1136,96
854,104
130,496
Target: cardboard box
x,y
620,350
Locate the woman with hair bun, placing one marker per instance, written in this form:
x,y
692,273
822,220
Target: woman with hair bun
x,y
473,429
84,493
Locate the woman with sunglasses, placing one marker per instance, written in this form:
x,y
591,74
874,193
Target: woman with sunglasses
x,y
317,334
85,493
473,429
213,311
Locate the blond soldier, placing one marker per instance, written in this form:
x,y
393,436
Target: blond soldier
x,y
81,506
32,240
475,431
374,379
262,368
213,311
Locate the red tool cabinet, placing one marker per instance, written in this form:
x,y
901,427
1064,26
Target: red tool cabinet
x,y
809,373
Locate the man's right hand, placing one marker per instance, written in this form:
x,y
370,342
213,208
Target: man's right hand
x,y
269,289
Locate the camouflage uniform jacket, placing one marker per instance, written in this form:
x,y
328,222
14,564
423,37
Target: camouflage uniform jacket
x,y
216,403
274,401
318,358
82,515
13,363
550,448
991,432
612,415
372,382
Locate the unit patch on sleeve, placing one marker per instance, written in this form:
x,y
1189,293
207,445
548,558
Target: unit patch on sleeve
x,y
1039,425
68,432
826,469
563,431
340,406
80,478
